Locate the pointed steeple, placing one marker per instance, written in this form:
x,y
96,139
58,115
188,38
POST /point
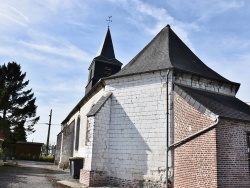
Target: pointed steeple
x,y
104,64
106,48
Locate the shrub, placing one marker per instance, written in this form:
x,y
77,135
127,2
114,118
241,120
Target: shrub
x,y
49,158
44,158
1,151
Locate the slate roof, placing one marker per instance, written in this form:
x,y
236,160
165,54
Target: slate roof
x,y
223,105
166,51
106,50
99,105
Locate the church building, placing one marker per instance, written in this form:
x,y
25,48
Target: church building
x,y
164,114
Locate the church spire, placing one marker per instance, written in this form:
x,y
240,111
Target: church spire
x,y
104,64
106,48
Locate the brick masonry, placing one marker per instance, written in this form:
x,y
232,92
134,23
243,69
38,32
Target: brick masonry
x,y
100,152
217,158
67,145
137,130
85,147
119,182
100,178
93,178
124,143
195,161
232,154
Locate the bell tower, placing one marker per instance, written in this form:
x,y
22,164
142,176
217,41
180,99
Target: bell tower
x,y
104,64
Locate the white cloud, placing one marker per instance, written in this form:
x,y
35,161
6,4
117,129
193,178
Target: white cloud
x,y
202,11
213,8
19,13
9,15
66,50
150,18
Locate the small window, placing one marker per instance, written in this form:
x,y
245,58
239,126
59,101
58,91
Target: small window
x,y
88,134
77,133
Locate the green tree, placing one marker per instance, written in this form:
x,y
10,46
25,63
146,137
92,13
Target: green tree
x,y
17,105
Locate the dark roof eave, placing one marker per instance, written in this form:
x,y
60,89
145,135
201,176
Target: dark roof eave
x,y
97,87
99,104
110,61
235,119
237,112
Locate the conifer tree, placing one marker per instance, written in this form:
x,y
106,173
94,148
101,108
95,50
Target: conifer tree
x,y
17,105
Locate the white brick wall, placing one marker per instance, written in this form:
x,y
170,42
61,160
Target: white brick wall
x,y
84,151
137,136
101,138
203,83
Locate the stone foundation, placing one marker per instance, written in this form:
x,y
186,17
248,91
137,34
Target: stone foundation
x,y
93,178
133,183
100,178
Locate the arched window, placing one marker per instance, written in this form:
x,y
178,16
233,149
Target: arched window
x,y
77,133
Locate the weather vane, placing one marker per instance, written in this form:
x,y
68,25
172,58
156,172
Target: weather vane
x,y
109,20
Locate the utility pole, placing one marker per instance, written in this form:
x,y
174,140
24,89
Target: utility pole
x,y
47,146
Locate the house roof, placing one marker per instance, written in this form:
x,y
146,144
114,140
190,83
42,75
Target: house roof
x,y
99,104
166,51
106,50
29,143
225,106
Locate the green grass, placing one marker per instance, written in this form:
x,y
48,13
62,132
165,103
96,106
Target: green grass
x,y
44,158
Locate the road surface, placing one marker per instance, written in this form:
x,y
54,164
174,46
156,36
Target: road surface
x,y
30,174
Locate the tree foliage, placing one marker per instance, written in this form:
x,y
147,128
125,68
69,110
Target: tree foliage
x,y
17,105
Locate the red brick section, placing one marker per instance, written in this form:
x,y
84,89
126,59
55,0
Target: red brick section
x,y
232,154
93,178
195,160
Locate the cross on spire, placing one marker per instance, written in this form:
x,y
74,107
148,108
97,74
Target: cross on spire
x,y
109,20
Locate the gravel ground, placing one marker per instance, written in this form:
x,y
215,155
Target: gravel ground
x,y
33,174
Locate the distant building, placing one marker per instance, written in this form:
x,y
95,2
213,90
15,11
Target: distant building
x,y
31,148
120,126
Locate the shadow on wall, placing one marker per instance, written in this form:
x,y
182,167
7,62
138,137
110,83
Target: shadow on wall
x,y
129,152
68,143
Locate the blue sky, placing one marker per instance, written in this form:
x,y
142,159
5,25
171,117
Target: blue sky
x,y
56,40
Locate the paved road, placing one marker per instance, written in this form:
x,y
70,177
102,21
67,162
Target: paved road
x,y
30,174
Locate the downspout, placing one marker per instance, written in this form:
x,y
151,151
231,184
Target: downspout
x,y
167,113
194,135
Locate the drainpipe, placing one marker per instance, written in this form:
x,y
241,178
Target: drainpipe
x,y
194,135
167,119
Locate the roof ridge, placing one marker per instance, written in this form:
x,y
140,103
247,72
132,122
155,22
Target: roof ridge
x,y
159,47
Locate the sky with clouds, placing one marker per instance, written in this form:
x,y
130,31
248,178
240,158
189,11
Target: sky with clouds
x,y
55,41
